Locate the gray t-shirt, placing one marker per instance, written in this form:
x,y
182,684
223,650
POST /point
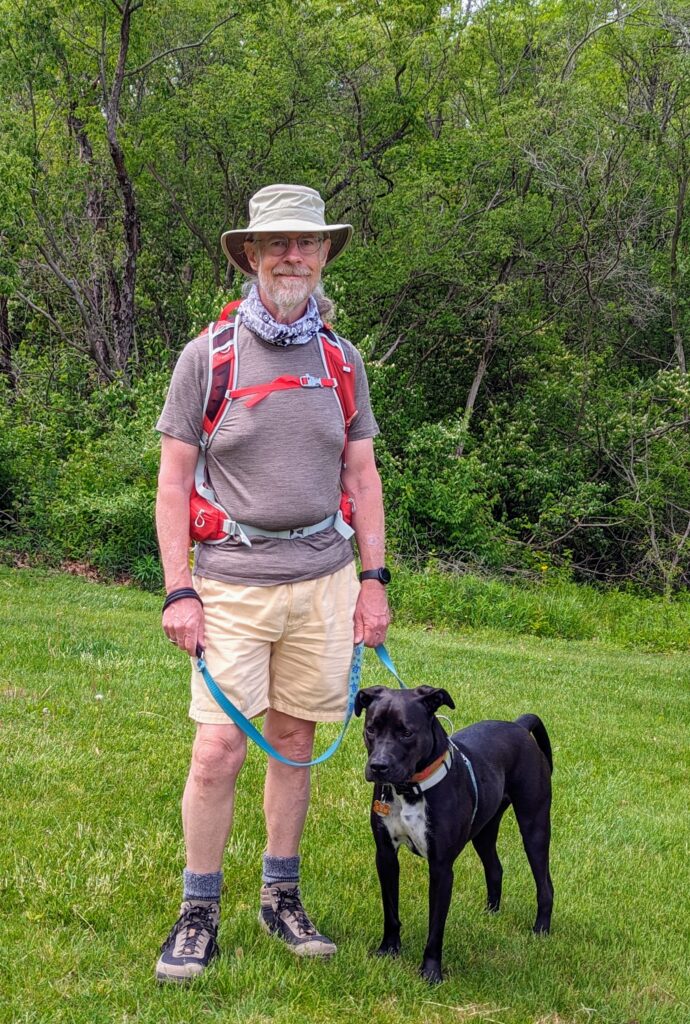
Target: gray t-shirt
x,y
275,465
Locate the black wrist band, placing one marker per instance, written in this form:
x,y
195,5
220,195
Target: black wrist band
x,y
382,574
180,595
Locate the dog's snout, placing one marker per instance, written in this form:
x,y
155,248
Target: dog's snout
x,y
377,769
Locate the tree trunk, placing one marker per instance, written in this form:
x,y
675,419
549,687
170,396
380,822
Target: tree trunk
x,y
122,292
678,346
6,344
491,337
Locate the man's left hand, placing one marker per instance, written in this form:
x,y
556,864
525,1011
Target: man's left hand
x,y
372,614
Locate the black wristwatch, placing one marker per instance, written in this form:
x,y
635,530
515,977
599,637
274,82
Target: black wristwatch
x,y
382,575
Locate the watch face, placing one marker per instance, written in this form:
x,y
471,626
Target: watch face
x,y
384,575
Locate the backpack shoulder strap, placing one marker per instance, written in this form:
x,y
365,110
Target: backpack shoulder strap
x,y
338,366
222,370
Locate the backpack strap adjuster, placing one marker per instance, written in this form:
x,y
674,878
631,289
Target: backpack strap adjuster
x,y
308,381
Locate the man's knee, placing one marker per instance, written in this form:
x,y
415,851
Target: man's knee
x,y
292,737
218,755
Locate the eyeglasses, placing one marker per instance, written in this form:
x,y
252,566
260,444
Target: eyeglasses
x,y
278,246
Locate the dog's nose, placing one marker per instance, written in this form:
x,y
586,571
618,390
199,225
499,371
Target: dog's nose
x,y
378,767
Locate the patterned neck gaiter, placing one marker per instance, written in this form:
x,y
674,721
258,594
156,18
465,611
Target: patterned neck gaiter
x,y
254,315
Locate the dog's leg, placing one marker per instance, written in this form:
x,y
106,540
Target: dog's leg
x,y
388,868
485,845
440,889
535,829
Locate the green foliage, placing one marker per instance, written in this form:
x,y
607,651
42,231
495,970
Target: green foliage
x,y
541,604
79,482
439,502
517,175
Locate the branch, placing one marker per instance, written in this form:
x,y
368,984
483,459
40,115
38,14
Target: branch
x,y
177,49
186,219
44,312
593,31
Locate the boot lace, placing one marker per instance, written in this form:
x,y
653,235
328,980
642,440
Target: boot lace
x,y
196,920
289,901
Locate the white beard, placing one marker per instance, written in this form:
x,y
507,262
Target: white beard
x,y
286,293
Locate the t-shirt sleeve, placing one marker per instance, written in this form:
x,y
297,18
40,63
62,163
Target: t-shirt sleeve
x,y
183,411
364,424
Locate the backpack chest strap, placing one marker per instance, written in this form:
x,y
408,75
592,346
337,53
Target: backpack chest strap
x,y
257,392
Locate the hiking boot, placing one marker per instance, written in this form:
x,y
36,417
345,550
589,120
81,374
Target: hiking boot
x,y
191,945
282,914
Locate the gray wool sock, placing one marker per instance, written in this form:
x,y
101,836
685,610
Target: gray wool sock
x,y
202,886
280,869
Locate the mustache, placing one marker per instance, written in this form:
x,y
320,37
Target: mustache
x,y
286,271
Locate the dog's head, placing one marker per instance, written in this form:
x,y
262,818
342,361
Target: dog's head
x,y
401,732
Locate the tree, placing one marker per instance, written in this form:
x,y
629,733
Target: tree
x,y
76,89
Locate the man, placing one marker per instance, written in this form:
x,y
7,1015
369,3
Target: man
x,y
276,618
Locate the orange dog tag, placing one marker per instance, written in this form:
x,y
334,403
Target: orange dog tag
x,y
381,808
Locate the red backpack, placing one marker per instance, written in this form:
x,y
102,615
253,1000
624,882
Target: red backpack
x,y
209,523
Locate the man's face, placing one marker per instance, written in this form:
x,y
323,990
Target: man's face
x,y
288,272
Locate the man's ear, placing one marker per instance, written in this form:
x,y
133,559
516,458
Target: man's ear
x,y
251,251
433,698
324,250
365,697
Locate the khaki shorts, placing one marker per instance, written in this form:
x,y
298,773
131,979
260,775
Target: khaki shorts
x,y
287,647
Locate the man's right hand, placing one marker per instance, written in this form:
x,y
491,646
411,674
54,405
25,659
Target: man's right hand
x,y
183,624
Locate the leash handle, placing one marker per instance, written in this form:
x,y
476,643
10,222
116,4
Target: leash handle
x,y
385,659
240,720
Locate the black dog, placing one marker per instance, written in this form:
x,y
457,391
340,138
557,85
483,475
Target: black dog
x,y
434,795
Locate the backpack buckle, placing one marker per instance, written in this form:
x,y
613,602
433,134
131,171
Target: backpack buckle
x,y
307,381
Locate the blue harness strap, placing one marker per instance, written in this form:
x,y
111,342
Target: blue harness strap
x,y
473,780
240,720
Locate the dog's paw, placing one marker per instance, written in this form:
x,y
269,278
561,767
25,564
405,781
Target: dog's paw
x,y
431,972
388,947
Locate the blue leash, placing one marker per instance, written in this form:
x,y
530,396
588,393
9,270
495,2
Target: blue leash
x,y
253,733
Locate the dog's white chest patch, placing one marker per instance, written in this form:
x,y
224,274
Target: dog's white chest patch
x,y
406,823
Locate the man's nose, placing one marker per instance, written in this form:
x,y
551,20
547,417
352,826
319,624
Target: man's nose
x,y
293,250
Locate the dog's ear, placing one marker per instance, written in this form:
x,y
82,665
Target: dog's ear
x,y
433,698
365,697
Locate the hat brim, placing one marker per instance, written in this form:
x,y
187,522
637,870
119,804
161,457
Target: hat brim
x,y
232,242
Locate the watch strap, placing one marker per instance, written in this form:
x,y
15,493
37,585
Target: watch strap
x,y
382,574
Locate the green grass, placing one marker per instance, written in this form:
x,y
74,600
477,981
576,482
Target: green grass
x,y
551,608
93,706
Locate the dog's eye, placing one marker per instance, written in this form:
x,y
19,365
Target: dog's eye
x,y
407,734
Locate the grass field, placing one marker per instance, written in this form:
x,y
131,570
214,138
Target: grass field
x,y
95,743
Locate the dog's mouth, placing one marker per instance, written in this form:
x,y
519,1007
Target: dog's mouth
x,y
385,774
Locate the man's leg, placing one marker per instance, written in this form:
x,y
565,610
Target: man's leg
x,y
286,793
286,801
209,797
207,808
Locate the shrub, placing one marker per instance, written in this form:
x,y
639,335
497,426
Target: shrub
x,y
439,503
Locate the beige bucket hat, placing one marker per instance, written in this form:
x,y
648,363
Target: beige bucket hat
x,y
279,208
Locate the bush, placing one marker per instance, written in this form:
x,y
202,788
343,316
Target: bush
x,y
83,487
439,503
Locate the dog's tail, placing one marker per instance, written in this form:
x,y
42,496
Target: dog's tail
x,y
534,725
